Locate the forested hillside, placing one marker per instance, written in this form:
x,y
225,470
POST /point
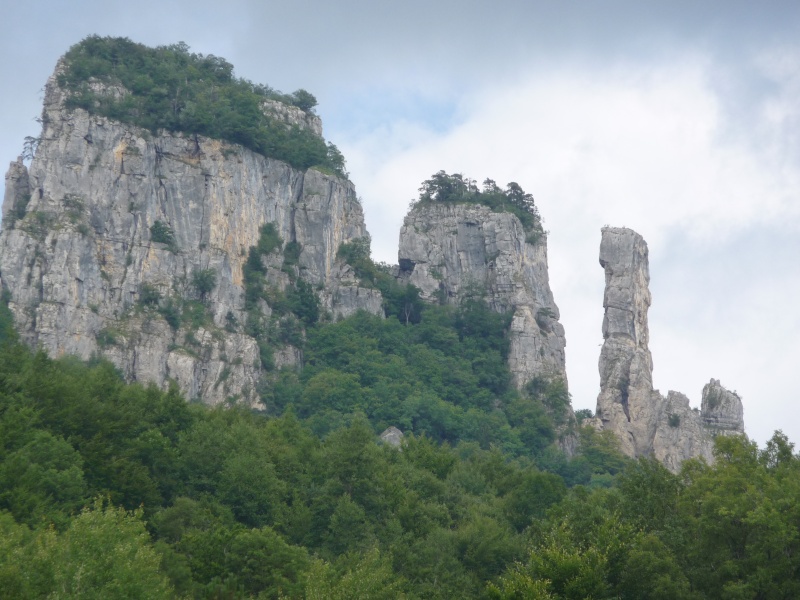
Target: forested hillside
x,y
121,490
109,490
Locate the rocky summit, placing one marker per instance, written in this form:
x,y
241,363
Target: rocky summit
x,y
645,422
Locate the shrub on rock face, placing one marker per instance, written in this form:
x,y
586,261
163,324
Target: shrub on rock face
x,y
162,233
204,281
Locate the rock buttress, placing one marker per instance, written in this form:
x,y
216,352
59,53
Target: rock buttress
x,y
80,260
448,250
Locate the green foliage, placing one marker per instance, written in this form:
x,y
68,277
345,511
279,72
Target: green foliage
x,y
553,395
204,281
105,553
458,189
42,479
162,233
170,88
171,312
106,337
227,503
149,295
304,302
399,300
304,100
269,239
291,254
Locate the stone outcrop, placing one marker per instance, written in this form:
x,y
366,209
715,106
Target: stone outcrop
x,y
721,409
85,270
645,422
392,436
448,250
291,115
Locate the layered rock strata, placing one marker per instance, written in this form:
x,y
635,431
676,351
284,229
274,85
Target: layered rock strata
x,y
449,250
645,422
81,260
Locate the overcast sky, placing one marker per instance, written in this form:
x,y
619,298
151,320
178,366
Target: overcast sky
x,y
680,120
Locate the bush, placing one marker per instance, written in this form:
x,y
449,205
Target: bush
x,y
204,281
171,313
149,295
162,233
269,239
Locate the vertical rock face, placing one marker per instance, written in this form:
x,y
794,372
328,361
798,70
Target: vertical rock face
x,y
78,255
447,250
626,367
643,420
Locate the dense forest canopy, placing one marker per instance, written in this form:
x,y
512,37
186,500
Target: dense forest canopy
x,y
111,490
173,89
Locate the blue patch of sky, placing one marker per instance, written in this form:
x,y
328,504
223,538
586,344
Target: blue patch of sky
x,y
355,114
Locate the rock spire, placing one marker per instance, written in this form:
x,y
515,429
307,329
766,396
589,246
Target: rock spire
x,y
645,422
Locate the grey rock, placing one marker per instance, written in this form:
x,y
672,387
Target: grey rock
x,y
79,255
344,297
721,410
392,436
291,115
451,250
645,422
679,433
17,192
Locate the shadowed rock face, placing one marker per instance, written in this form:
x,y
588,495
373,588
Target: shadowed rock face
x,y
643,420
76,247
448,250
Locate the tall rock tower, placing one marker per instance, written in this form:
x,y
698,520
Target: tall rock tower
x,y
446,249
645,422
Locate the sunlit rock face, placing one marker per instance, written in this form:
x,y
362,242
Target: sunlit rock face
x,y
645,422
77,249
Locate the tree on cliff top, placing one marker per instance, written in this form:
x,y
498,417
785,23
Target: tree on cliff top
x,y
170,88
458,189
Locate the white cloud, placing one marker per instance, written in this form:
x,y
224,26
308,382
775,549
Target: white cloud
x,y
644,147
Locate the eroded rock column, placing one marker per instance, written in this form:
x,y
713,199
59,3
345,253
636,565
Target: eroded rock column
x,y
625,403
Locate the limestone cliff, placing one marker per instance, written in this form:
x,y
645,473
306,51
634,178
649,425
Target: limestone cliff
x,y
111,221
446,249
643,420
